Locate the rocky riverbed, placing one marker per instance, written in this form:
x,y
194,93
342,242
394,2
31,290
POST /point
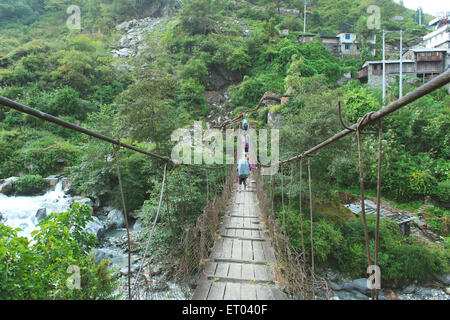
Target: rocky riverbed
x,y
342,288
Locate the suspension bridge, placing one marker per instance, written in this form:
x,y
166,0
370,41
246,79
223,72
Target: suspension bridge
x,y
240,257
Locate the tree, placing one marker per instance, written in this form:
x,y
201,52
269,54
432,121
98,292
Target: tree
x,y
199,16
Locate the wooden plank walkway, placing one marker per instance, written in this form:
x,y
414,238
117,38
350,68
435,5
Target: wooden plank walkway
x,y
242,264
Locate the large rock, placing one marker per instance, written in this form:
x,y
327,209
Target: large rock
x,y
351,295
410,289
137,225
335,286
115,219
445,279
41,214
52,181
67,185
82,201
116,257
359,285
7,185
96,227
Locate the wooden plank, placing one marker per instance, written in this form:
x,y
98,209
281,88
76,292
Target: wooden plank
x,y
242,238
240,280
217,291
247,233
232,291
248,292
235,270
263,293
210,268
217,249
241,261
202,290
247,250
262,273
227,248
258,253
222,270
237,249
248,272
250,229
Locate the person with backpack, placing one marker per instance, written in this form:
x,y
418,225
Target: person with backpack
x,y
244,168
246,146
245,124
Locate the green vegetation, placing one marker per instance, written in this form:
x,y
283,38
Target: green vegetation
x,y
43,264
30,184
205,47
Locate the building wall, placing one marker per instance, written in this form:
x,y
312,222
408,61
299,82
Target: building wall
x,y
430,67
352,51
377,81
333,47
437,38
342,38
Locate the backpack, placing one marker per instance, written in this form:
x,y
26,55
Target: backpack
x,y
245,124
246,144
243,168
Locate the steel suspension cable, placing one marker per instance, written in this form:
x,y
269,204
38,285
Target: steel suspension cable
x,y
153,228
49,118
301,211
311,226
377,228
361,183
116,156
426,88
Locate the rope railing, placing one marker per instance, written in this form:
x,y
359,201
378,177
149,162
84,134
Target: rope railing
x,y
373,117
49,118
117,145
289,256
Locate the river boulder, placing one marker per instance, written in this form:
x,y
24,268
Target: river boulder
x,y
67,185
52,181
7,185
116,257
445,279
96,227
359,285
115,219
82,201
41,214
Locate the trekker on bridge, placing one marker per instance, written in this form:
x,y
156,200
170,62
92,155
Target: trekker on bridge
x,y
244,127
244,168
245,124
246,146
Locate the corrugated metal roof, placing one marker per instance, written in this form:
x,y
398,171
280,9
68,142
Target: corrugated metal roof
x,y
427,49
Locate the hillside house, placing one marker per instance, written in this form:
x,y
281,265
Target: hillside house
x,y
439,38
429,62
332,44
306,37
348,43
372,71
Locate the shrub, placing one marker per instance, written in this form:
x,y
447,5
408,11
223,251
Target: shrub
x,y
30,184
39,269
47,154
